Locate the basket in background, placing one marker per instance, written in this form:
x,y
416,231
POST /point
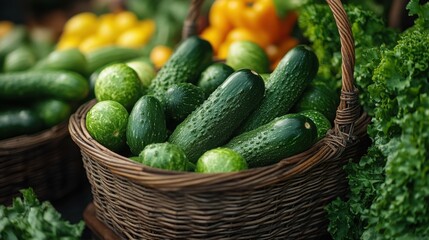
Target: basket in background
x,y
282,201
48,161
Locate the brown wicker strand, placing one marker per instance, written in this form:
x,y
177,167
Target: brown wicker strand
x,y
190,26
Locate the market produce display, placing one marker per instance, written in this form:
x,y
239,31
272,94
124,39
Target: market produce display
x,y
176,110
245,92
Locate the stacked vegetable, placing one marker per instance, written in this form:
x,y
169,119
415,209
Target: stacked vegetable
x,y
37,91
201,115
389,196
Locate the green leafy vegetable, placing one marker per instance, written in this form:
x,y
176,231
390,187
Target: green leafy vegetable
x,y
389,187
27,218
317,24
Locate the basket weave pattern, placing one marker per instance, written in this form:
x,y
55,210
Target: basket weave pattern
x,y
282,201
48,161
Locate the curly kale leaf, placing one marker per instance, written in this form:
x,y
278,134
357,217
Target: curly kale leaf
x,y
389,194
318,26
27,218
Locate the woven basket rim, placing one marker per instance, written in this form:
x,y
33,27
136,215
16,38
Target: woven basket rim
x,y
36,139
349,126
178,180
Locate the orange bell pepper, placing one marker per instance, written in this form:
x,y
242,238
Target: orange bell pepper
x,y
258,15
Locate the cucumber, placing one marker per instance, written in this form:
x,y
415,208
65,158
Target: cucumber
x,y
145,71
20,59
17,121
110,54
27,85
220,160
213,122
181,99
164,155
213,76
320,98
52,111
321,122
284,87
119,83
186,63
247,54
106,122
12,40
146,124
68,59
282,137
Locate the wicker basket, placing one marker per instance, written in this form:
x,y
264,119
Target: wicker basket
x,y
282,201
49,162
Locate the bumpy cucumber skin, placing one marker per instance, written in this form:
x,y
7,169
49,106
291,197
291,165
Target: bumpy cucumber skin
x,y
146,124
27,85
165,156
185,65
320,120
320,98
19,121
213,122
220,160
106,122
119,83
213,76
284,87
282,137
181,99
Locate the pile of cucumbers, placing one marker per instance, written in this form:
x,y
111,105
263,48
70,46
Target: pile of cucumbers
x,y
39,91
201,115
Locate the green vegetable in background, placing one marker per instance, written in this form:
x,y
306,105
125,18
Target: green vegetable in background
x,y
28,218
318,26
389,187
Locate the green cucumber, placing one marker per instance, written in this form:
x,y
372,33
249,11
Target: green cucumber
x,y
213,122
320,120
181,99
27,85
282,137
17,121
119,83
165,156
186,63
146,124
68,59
320,98
145,71
110,54
247,54
220,160
12,40
52,111
20,59
106,122
284,87
213,76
